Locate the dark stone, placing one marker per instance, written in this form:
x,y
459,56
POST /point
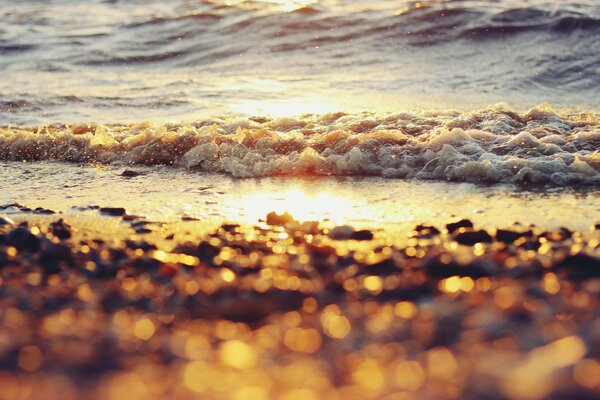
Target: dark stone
x,y
113,211
435,268
508,236
60,229
4,221
43,211
426,231
579,266
471,238
130,174
559,236
364,234
143,231
23,239
188,218
463,223
139,245
243,305
53,256
383,267
230,227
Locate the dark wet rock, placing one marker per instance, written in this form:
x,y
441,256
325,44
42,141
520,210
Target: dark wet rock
x,y
143,231
508,236
54,255
130,217
188,218
145,246
531,244
597,227
470,238
230,227
103,270
23,239
85,208
426,231
384,267
410,293
43,211
321,251
439,268
242,305
559,236
454,226
364,234
4,221
113,211
279,219
579,266
204,251
130,174
60,229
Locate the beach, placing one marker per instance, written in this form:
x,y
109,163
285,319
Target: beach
x,y
294,309
299,200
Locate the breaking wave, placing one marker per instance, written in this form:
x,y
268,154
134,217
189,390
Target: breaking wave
x,y
493,145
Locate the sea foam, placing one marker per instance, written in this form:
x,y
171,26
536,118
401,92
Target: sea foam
x,y
496,144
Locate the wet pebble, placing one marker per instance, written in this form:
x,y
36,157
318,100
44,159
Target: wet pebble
x,y
342,232
60,229
470,238
113,211
454,226
4,221
130,174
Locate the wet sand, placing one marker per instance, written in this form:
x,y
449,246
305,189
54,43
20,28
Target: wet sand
x,y
281,309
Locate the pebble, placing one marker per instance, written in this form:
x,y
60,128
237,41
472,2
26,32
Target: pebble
x,y
463,223
130,174
113,211
342,232
470,238
4,221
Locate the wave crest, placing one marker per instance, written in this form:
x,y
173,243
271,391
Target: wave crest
x,y
491,145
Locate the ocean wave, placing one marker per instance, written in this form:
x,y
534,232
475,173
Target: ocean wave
x,y
195,54
492,145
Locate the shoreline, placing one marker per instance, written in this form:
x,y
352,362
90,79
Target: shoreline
x,y
302,310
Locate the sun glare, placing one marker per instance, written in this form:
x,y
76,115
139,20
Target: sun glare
x,y
302,205
283,5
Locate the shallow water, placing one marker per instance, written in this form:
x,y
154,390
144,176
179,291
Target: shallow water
x,y
165,194
122,61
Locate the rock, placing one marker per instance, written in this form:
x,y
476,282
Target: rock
x,y
508,236
364,234
579,266
113,211
276,219
23,239
463,223
60,229
53,256
470,238
438,268
426,231
342,232
43,211
130,174
5,221
230,227
188,218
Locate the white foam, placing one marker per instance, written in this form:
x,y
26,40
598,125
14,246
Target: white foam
x,y
491,145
